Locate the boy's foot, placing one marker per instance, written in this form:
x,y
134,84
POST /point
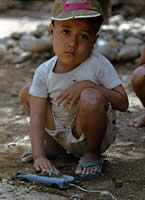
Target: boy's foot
x,y
138,122
89,167
27,156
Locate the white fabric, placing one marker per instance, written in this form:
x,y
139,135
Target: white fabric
x,y
46,83
76,146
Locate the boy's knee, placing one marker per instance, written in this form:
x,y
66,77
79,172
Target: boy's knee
x,y
92,99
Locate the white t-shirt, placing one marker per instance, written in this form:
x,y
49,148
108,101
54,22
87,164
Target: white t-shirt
x,y
46,83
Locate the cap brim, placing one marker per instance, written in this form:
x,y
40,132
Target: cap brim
x,y
76,14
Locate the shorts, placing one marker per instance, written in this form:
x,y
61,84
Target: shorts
x,y
71,144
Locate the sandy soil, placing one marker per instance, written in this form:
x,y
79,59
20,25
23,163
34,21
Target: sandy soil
x,y
124,171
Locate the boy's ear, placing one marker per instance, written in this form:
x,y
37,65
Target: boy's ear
x,y
51,30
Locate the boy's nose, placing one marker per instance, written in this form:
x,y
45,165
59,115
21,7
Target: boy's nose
x,y
73,41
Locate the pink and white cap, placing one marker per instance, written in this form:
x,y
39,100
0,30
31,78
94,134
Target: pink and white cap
x,y
72,9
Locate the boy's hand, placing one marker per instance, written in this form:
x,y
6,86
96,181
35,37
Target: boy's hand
x,y
70,95
43,165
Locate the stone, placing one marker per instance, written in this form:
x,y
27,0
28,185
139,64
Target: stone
x,y
124,27
3,50
41,29
14,59
16,35
133,41
16,51
128,53
116,19
30,43
109,28
142,30
105,49
10,43
139,20
124,143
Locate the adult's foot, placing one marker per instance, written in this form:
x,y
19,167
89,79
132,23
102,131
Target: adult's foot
x,y
89,164
138,122
27,156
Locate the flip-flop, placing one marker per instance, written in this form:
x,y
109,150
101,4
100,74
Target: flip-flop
x,y
90,164
25,157
29,152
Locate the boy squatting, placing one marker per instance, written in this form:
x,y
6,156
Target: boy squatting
x,y
72,94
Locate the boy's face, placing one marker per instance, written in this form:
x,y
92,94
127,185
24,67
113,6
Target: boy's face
x,y
73,41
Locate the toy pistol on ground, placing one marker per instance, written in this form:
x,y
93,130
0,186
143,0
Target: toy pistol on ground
x,y
61,183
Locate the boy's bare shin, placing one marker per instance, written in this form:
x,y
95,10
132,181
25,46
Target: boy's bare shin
x,y
92,118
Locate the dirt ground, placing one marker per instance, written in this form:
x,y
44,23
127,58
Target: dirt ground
x,y
124,170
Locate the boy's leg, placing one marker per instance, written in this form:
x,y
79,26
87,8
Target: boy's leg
x,y
51,146
92,121
24,97
138,83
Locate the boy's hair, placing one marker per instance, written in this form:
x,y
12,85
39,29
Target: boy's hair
x,y
96,21
74,9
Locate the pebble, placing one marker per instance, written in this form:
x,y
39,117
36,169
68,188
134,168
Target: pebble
x,y
118,182
76,197
3,51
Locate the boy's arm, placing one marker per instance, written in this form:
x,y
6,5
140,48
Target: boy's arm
x,y
116,96
38,112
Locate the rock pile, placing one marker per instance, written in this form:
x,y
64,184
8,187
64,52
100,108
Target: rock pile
x,y
20,47
119,41
122,40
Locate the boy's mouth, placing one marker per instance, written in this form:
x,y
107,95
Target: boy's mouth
x,y
70,53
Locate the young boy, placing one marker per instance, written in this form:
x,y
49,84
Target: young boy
x,y
72,94
138,82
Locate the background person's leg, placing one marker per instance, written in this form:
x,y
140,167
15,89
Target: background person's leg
x,y
138,83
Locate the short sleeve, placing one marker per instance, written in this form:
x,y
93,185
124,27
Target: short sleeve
x,y
39,83
108,76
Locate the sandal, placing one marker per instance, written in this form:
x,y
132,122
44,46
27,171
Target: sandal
x,y
27,156
90,164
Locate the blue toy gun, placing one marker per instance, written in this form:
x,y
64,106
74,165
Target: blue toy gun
x,y
61,183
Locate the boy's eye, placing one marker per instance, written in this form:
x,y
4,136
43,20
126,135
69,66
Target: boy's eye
x,y
83,36
65,32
